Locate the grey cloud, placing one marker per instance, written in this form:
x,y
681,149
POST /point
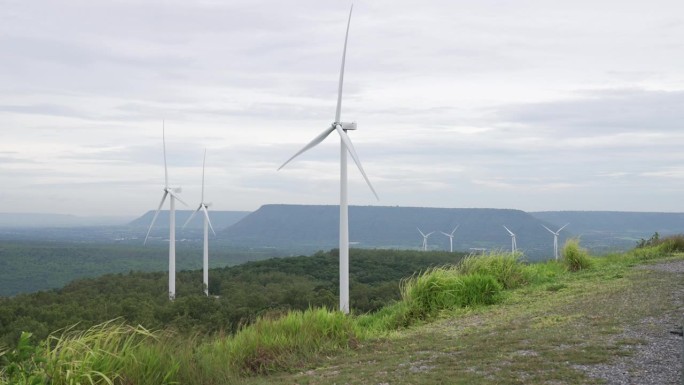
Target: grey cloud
x,y
601,112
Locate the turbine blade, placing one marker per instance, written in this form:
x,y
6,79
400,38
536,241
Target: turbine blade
x,y
173,194
155,215
166,172
448,235
430,233
350,147
550,231
454,230
206,215
203,164
192,215
562,227
311,144
421,233
338,111
509,231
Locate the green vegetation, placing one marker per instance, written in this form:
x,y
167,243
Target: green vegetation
x,y
574,257
545,322
239,294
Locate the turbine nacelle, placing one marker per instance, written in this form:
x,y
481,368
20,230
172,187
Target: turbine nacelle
x,y
346,126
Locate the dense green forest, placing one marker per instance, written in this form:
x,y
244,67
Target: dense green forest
x,y
238,293
29,266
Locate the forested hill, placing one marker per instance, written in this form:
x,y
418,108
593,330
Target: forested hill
x,y
238,293
316,227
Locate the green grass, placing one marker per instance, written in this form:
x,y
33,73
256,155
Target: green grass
x,y
442,330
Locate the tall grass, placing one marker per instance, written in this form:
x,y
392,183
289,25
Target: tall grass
x,y
108,353
506,268
657,247
445,288
268,344
574,257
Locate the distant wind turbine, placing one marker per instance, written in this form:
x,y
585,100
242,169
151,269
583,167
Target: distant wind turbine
x,y
171,192
555,239
207,225
425,237
513,245
345,146
451,238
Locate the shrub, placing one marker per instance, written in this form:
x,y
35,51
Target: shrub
x,y
574,257
506,268
20,366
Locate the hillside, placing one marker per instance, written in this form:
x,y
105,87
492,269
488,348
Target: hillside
x,y
242,291
490,319
316,227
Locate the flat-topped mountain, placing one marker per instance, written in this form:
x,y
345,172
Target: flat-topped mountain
x,y
316,227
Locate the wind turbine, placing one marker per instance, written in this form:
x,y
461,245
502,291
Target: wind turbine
x,y
345,146
513,245
555,239
425,237
207,225
451,238
171,193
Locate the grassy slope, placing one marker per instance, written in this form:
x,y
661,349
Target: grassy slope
x,y
535,336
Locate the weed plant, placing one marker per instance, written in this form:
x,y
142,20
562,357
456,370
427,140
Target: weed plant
x,y
574,257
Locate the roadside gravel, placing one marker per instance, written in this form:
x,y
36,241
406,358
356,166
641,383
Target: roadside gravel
x,y
657,359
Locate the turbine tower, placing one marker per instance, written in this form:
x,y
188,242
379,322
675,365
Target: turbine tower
x,y
555,239
345,146
172,194
513,245
451,238
207,225
425,237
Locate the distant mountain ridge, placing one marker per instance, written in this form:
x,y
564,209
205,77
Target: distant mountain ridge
x,y
316,227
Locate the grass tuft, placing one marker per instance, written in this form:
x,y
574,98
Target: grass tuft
x,y
506,268
269,345
574,257
447,288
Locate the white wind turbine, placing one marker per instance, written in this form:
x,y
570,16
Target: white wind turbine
x,y
425,237
451,238
345,146
555,239
171,192
207,225
513,245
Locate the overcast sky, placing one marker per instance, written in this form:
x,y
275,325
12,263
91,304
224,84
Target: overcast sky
x,y
532,105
